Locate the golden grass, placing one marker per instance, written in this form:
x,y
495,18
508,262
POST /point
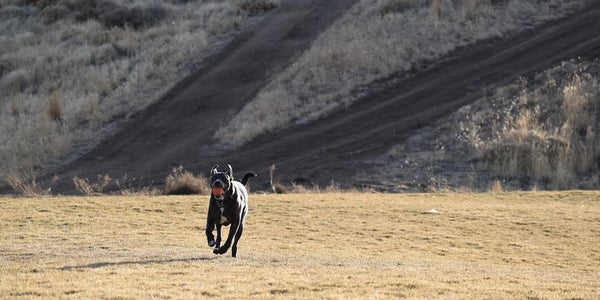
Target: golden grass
x,y
506,245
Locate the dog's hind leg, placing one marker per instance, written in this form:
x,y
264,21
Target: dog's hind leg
x,y
238,235
232,232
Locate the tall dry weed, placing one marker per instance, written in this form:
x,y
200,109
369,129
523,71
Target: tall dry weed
x,y
27,186
87,188
54,109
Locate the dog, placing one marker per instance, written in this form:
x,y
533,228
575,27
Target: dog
x,y
228,206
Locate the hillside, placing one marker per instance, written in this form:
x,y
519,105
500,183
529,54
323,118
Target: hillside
x,y
190,125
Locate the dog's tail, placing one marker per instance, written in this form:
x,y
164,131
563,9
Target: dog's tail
x,y
247,177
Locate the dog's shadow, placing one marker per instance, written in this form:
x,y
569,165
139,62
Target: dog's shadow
x,y
135,262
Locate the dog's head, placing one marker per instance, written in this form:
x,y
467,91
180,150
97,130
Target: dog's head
x,y
220,182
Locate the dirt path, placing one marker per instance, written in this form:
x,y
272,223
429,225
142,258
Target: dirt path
x,y
178,129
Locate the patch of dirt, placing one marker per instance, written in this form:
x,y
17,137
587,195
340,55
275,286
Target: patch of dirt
x,y
344,146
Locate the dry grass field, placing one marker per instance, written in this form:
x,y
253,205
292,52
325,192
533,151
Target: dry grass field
x,y
506,245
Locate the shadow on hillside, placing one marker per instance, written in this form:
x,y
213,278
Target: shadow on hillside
x,y
134,262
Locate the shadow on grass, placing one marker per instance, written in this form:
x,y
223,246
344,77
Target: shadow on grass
x,y
134,262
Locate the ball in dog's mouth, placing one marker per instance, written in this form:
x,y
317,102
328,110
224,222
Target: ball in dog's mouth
x,y
217,191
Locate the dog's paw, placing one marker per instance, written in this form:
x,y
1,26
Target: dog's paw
x,y
222,250
212,243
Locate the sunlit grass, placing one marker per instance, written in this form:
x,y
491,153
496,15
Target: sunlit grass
x,y
504,245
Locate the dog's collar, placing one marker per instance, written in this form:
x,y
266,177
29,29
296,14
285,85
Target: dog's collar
x,y
220,202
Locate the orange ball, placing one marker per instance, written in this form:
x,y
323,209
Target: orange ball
x,y
217,191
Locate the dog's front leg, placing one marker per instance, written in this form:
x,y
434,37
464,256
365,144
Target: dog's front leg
x,y
218,244
210,226
232,232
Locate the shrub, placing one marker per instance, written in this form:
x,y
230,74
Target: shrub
x,y
84,186
253,7
90,9
17,81
54,110
279,188
182,182
28,188
53,13
395,6
136,17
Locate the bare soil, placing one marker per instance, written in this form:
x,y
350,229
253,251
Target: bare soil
x,y
179,128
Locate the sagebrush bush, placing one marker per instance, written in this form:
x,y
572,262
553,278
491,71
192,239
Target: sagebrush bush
x,y
253,7
87,188
26,186
182,182
395,6
53,13
136,17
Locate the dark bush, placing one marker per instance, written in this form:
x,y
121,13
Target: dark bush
x,y
53,13
395,6
40,4
136,17
112,14
280,189
253,7
90,9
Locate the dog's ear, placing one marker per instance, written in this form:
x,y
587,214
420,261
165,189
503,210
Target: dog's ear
x,y
229,170
214,171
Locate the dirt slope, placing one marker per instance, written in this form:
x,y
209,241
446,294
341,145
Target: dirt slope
x,y
179,129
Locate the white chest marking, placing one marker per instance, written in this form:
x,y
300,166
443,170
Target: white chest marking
x,y
223,220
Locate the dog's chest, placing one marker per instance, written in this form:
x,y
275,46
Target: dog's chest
x,y
223,218
222,209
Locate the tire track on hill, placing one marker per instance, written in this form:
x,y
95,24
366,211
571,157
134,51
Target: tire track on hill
x,y
178,129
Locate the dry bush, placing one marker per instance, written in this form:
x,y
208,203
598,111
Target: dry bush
x,y
437,185
53,13
280,188
87,188
28,187
253,7
136,17
497,186
436,8
54,110
395,6
182,182
133,187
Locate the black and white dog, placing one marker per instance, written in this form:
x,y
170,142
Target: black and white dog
x,y
228,205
